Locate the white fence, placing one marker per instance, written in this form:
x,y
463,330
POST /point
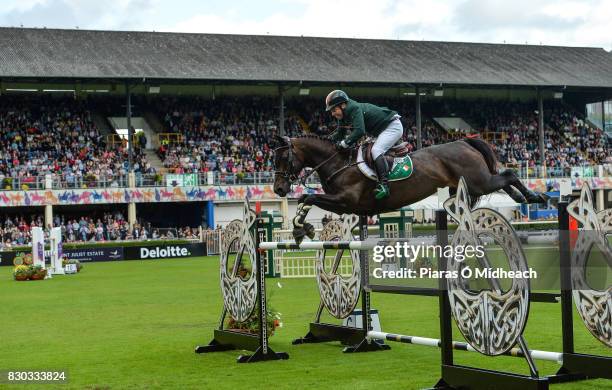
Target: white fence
x,y
301,263
288,263
212,238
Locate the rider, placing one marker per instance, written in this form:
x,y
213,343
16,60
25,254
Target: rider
x,y
366,118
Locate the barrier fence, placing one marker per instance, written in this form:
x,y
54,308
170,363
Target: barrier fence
x,y
300,263
212,238
247,178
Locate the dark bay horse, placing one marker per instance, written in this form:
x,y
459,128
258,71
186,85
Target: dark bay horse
x,y
347,190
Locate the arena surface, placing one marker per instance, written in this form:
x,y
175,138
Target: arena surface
x,y
134,324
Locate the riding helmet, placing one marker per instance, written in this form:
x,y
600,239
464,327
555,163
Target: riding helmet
x,y
334,98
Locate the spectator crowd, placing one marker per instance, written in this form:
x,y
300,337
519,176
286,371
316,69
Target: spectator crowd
x,y
59,137
227,135
568,139
16,230
234,135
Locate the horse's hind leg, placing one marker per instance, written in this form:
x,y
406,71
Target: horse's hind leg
x,y
506,181
485,184
512,185
515,194
530,196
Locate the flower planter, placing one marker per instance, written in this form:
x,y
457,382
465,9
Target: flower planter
x,y
37,272
21,277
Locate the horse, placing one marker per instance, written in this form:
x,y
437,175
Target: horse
x,y
347,190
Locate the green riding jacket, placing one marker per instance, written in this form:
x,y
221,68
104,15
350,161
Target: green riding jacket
x,y
363,118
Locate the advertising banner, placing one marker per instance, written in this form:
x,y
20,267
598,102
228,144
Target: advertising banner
x,y
95,254
164,251
141,252
182,180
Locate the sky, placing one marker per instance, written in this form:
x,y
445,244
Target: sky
x,y
546,22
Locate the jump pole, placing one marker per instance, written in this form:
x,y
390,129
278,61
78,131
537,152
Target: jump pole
x,y
317,245
460,346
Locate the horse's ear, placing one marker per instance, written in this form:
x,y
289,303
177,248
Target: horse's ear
x,y
282,141
279,141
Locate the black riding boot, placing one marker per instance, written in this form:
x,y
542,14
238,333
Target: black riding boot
x,y
382,171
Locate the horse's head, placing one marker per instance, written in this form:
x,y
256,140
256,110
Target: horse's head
x,y
287,166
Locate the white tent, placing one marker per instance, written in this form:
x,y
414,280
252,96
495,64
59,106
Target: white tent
x,y
494,201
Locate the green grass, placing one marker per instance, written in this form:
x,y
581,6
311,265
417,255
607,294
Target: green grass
x,y
120,325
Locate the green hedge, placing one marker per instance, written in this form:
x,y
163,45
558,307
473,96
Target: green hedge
x,y
453,226
88,244
537,226
531,226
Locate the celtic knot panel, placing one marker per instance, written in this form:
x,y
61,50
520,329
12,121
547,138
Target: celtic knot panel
x,y
490,320
339,294
594,306
239,294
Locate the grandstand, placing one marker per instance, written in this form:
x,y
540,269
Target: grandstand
x,y
173,128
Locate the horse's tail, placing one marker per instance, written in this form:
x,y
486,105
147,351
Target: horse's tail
x,y
485,149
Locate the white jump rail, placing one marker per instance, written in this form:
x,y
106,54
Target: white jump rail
x,y
318,245
461,346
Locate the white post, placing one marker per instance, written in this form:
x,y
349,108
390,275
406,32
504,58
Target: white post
x,y
284,209
55,241
131,214
48,215
38,246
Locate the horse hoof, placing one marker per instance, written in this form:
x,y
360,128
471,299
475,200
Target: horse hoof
x,y
537,198
543,198
310,230
298,235
554,202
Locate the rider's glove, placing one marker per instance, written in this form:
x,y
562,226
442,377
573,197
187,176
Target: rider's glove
x,y
342,145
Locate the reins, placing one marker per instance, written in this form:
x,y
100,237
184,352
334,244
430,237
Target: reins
x,y
293,177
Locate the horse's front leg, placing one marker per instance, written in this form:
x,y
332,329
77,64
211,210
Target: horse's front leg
x,y
301,228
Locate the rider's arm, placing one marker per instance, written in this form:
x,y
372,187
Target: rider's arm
x,y
338,135
358,126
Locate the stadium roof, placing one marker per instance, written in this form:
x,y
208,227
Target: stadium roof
x,y
83,54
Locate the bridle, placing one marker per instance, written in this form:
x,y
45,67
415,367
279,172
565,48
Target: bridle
x,y
292,177
289,176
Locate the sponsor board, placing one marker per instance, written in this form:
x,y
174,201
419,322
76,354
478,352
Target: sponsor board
x,y
7,257
164,251
95,254
141,252
80,254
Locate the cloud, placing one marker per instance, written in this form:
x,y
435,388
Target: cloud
x,y
560,22
479,15
103,15
552,22
319,18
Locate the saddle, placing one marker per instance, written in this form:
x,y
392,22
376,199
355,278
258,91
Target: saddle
x,y
398,150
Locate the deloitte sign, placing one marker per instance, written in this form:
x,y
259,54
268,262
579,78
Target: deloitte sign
x,y
164,251
169,251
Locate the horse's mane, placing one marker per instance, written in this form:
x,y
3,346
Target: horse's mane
x,y
327,142
314,136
